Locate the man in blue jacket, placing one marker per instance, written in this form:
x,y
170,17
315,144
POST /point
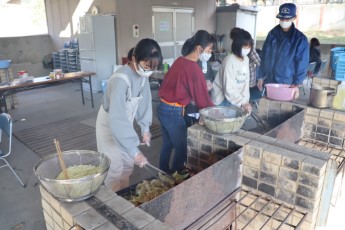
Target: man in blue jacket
x,y
285,53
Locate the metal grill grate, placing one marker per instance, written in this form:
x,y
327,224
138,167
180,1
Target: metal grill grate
x,y
338,155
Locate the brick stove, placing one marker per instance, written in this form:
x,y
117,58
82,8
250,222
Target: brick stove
x,y
246,180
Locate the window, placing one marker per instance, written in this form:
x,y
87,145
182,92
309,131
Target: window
x,y
22,18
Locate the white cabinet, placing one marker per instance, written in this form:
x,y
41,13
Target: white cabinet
x,y
97,47
228,17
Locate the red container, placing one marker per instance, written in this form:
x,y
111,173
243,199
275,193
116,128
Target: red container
x,y
280,92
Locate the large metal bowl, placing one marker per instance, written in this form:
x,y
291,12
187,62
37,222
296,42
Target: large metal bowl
x,y
223,119
48,168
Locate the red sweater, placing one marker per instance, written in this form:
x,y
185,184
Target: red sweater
x,y
185,82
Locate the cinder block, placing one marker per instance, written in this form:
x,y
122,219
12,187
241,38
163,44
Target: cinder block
x,y
104,193
339,116
313,111
287,184
90,219
314,166
288,174
221,141
138,217
241,140
119,205
338,125
107,226
292,159
57,219
255,149
250,135
311,119
207,137
48,219
250,172
326,113
252,162
324,122
310,180
306,192
285,196
250,182
193,143
269,168
268,189
267,139
194,132
207,148
268,178
304,203
194,162
192,152
70,210
272,155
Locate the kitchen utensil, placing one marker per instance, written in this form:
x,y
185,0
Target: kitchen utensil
x,y
48,168
223,119
154,170
321,96
280,92
62,162
258,119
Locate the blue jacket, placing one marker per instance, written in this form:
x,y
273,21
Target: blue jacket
x,y
284,57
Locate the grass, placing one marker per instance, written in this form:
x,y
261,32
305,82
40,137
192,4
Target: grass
x,y
325,37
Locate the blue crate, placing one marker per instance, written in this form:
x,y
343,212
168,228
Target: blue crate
x,y
4,64
339,67
336,52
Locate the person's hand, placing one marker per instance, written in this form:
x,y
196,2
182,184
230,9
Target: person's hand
x,y
260,84
209,85
147,138
140,159
247,108
201,121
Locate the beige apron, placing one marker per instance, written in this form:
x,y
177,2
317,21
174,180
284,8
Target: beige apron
x,y
122,163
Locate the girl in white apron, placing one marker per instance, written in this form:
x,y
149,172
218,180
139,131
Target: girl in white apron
x,y
127,98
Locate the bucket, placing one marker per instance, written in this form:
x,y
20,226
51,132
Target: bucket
x,y
321,97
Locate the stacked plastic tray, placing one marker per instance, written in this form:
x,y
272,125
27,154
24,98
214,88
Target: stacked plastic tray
x,y
73,60
63,60
338,63
56,60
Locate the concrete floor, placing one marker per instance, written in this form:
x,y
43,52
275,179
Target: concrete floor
x,y
20,208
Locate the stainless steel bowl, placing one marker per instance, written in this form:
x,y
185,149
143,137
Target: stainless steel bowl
x,y
223,119
48,168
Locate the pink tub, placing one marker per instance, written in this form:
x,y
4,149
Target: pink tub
x,y
280,92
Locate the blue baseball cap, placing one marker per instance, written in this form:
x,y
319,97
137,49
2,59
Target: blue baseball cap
x,y
287,11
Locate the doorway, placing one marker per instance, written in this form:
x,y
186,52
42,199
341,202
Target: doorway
x,y
171,28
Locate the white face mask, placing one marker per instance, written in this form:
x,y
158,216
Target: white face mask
x,y
245,51
204,56
285,24
143,73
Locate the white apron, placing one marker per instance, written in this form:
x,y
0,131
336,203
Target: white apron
x,y
122,163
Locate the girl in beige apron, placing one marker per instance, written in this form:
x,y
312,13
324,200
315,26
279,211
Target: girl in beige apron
x,y
122,163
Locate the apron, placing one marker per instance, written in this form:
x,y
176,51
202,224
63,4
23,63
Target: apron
x,y
122,163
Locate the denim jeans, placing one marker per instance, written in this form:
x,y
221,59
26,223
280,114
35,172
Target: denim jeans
x,y
225,102
174,133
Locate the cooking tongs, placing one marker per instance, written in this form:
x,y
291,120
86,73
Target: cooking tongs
x,y
154,170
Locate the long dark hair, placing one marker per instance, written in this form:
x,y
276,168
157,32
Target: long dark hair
x,y
148,50
240,39
314,42
201,38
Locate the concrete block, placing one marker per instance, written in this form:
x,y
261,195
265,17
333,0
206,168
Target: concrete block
x,y
309,126
292,159
286,107
268,189
288,174
314,166
322,130
285,196
46,207
269,168
138,217
221,141
104,193
250,135
45,194
287,184
339,116
311,119
255,149
48,219
252,162
307,192
206,137
207,148
194,132
338,125
310,180
241,140
326,113
192,143
268,178
107,226
272,155
304,203
56,204
70,210
66,226
250,172
57,227
194,162
267,139
313,111
119,205
90,219
57,219
250,182
156,225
